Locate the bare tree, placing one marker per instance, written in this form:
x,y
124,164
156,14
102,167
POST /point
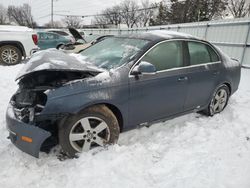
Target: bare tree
x,y
239,8
130,13
72,21
146,13
113,15
21,15
3,15
100,21
110,16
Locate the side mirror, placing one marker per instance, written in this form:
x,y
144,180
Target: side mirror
x,y
144,68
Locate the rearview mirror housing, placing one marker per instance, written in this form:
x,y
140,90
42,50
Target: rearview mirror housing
x,y
144,68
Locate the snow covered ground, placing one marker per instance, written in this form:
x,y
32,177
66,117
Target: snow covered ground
x,y
191,151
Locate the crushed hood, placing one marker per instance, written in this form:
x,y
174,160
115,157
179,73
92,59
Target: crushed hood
x,y
55,60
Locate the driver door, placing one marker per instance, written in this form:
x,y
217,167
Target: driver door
x,y
161,94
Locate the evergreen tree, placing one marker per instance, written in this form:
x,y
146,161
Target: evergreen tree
x,y
189,11
162,16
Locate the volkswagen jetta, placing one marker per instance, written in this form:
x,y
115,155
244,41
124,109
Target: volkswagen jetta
x,y
84,101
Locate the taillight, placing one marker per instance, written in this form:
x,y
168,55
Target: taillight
x,y
35,39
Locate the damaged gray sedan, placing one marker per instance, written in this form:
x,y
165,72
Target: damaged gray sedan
x,y
84,101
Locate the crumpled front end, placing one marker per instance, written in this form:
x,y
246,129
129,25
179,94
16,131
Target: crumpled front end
x,y
30,129
26,137
27,130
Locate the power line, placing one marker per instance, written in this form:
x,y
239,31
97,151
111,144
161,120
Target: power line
x,y
96,15
45,16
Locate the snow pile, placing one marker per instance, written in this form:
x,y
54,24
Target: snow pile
x,y
190,151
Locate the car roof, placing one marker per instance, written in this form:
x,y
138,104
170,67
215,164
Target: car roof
x,y
160,35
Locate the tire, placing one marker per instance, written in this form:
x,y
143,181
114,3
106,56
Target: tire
x,y
218,102
10,55
94,126
60,46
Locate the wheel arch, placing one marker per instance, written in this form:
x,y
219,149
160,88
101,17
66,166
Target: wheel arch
x,y
59,45
114,109
229,86
17,44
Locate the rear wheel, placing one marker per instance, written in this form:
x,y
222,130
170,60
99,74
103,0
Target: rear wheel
x,y
95,126
219,101
10,55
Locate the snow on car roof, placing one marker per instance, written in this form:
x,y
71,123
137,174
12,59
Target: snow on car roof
x,y
12,28
159,35
170,34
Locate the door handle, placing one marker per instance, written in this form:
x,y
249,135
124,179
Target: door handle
x,y
182,79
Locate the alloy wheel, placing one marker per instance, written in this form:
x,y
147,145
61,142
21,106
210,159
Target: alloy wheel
x,y
219,101
89,132
10,56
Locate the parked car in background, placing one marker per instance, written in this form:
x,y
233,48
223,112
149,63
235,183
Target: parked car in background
x,y
62,33
51,40
122,82
81,43
16,43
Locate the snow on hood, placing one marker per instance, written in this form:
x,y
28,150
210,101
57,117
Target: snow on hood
x,y
55,60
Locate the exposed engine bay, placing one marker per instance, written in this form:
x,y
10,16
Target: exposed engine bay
x,y
30,99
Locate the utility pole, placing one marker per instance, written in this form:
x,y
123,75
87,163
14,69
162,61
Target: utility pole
x,y
52,12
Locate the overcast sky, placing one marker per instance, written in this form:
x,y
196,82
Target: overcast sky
x,y
41,8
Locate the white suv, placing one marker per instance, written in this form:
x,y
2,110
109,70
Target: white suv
x,y
16,43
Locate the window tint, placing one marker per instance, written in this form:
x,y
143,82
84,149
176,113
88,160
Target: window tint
x,y
166,55
201,53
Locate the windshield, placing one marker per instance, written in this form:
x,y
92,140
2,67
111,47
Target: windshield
x,y
113,52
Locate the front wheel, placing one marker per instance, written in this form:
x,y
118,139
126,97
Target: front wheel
x,y
94,126
60,46
219,101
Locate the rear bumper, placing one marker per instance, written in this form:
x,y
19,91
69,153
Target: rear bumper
x,y
18,129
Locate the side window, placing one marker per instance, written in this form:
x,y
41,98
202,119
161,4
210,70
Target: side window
x,y
50,36
213,54
166,55
201,53
56,36
41,36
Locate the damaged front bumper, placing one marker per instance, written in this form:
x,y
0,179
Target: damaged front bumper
x,y
26,137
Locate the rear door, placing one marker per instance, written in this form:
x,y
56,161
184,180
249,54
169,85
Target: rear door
x,y
203,73
47,40
156,96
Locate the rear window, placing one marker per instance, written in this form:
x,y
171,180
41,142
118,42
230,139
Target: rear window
x,y
60,33
201,53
